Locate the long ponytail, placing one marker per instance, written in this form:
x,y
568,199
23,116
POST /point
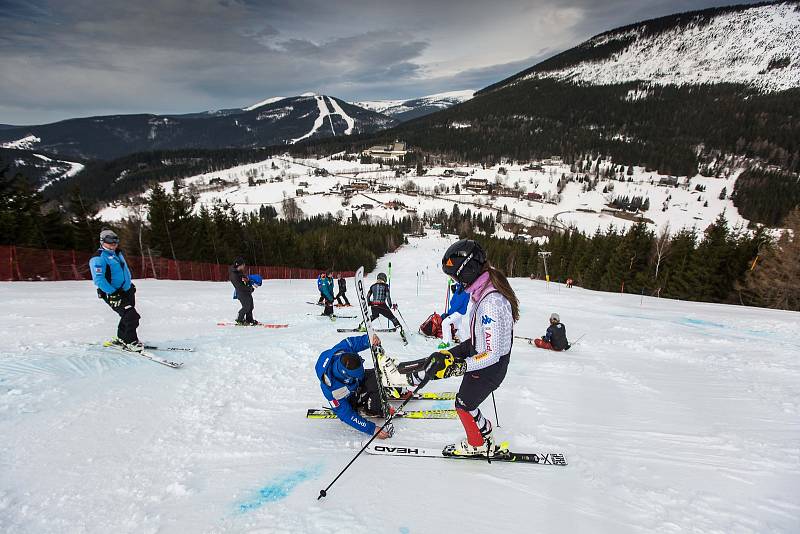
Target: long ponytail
x,y
500,283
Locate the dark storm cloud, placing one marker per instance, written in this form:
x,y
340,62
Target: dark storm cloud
x,y
65,58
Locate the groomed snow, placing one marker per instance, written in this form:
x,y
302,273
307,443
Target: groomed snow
x,y
674,417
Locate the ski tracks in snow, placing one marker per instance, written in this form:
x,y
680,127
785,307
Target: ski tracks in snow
x,y
325,113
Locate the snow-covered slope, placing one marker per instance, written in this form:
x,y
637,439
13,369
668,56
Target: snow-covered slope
x,y
674,417
404,110
758,46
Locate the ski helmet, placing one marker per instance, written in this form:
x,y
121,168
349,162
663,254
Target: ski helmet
x,y
382,277
348,367
108,236
463,261
238,260
555,317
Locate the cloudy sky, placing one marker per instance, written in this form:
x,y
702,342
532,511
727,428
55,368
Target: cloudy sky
x,y
70,58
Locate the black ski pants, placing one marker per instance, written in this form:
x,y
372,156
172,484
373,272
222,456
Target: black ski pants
x,y
128,316
342,295
367,396
246,299
384,311
477,385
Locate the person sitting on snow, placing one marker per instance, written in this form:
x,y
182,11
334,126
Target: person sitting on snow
x,y
348,387
556,336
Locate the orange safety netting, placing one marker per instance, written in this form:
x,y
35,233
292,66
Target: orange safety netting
x,y
20,263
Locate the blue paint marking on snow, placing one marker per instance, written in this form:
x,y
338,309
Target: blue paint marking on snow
x,y
280,488
404,530
701,322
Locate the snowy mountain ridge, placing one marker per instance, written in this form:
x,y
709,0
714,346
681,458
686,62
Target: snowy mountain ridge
x,y
417,107
757,46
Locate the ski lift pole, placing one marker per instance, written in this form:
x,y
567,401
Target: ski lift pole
x,y
324,492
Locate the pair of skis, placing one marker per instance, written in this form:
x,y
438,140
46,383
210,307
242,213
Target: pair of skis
x,y
259,325
149,355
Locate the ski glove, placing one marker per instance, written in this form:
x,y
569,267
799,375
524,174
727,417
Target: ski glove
x,y
388,430
115,299
443,364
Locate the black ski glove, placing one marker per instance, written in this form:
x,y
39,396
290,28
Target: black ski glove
x,y
115,299
443,364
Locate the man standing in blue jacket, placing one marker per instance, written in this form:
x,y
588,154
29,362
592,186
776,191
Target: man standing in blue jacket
x,y
348,387
112,277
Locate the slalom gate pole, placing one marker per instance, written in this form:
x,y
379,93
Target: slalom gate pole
x,y
495,411
324,492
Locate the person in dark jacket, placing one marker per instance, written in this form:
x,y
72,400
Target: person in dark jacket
x,y
348,387
380,302
342,292
244,292
556,336
112,277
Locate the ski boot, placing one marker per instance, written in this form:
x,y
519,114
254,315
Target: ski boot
x,y
117,342
252,322
390,376
488,449
403,336
133,346
240,322
399,393
362,328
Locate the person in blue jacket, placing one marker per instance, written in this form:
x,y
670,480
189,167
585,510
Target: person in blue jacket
x,y
325,286
348,387
454,316
112,277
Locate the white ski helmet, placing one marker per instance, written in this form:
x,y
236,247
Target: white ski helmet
x,y
555,317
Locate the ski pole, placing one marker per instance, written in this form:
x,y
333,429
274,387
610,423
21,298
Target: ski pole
x,y
324,492
496,418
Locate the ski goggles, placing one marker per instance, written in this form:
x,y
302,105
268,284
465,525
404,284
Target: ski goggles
x,y
111,240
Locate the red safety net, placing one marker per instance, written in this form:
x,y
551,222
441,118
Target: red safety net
x,y
20,263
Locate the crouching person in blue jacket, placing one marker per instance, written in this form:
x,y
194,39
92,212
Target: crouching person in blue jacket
x,y
348,387
112,277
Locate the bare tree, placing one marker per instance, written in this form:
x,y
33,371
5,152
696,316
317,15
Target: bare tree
x,y
291,211
661,248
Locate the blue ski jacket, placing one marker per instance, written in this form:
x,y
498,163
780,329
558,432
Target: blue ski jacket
x,y
337,392
458,301
255,280
110,271
325,286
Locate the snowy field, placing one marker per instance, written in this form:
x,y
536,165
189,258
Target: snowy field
x,y
674,417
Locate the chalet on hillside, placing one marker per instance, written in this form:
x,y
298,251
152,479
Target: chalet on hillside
x,y
477,185
359,186
448,172
671,181
320,172
533,196
395,150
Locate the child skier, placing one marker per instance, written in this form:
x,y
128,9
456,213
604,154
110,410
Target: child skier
x,y
380,302
112,277
483,359
454,316
342,292
556,336
243,288
348,387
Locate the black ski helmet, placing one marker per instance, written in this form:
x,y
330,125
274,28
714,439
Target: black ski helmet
x,y
463,261
348,367
238,260
382,277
